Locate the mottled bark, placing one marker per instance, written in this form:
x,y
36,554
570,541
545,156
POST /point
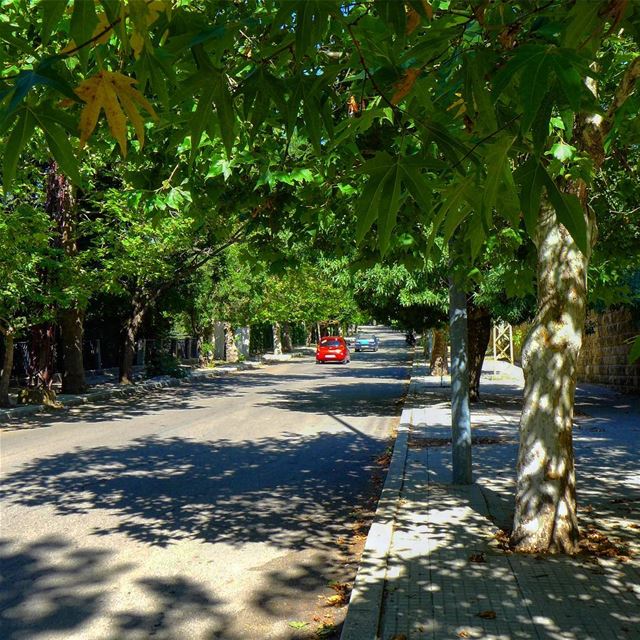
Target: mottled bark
x,y
479,329
545,516
7,366
277,338
60,205
230,348
40,367
72,332
128,339
287,340
438,365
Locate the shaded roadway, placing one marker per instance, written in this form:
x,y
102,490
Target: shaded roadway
x,y
211,510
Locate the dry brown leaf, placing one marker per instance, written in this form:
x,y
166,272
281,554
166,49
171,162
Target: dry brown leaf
x,y
489,614
404,86
464,634
477,557
413,20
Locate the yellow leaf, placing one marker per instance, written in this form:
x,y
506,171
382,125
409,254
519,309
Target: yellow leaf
x,y
155,8
111,92
104,27
137,43
404,86
125,85
133,115
116,119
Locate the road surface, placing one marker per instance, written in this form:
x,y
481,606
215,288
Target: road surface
x,y
212,510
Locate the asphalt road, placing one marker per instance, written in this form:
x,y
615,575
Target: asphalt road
x,y
206,511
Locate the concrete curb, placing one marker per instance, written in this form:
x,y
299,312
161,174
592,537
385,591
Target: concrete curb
x,y
123,391
365,604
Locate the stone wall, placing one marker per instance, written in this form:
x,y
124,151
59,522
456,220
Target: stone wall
x,y
605,350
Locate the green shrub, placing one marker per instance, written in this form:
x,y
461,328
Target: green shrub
x,y
162,363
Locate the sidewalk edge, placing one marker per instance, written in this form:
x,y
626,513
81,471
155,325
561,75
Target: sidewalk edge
x,y
120,391
365,604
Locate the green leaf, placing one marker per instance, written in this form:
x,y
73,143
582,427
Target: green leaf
x,y
570,80
540,126
19,136
60,147
455,206
450,146
298,624
224,109
498,174
569,212
312,123
583,19
562,151
531,179
83,22
394,14
418,186
389,205
534,86
52,12
201,116
634,354
367,211
475,234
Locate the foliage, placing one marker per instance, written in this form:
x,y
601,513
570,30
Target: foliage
x,y
162,363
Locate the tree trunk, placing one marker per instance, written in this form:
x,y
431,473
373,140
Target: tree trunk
x,y
545,516
41,356
72,330
479,326
230,349
277,339
128,340
60,205
287,340
438,364
7,366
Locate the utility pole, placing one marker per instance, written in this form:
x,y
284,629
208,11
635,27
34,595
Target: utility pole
x,y
460,417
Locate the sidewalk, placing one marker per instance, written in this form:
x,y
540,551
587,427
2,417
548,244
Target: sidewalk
x,y
433,569
104,385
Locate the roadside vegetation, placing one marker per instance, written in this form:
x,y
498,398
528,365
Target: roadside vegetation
x,y
302,163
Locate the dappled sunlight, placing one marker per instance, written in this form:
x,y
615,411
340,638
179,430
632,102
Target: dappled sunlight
x,y
451,572
51,586
161,491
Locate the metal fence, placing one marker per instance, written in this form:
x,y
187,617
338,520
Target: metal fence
x,y
99,354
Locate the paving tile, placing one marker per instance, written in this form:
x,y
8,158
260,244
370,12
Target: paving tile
x,y
434,591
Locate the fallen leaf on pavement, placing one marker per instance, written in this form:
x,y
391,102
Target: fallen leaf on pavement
x,y
477,557
298,624
487,615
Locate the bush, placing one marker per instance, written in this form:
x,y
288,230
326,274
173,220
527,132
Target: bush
x,y
162,363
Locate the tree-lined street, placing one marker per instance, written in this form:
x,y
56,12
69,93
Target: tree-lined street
x,y
220,509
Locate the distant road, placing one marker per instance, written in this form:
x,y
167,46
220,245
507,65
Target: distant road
x,y
206,511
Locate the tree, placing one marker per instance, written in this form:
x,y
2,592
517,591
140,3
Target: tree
x,y
461,95
24,249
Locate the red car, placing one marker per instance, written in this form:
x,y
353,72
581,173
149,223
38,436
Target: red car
x,y
332,349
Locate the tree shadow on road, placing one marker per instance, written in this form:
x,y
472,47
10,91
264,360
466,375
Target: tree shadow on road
x,y
50,586
160,491
189,396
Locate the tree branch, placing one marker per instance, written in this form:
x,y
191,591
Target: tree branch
x,y
625,89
